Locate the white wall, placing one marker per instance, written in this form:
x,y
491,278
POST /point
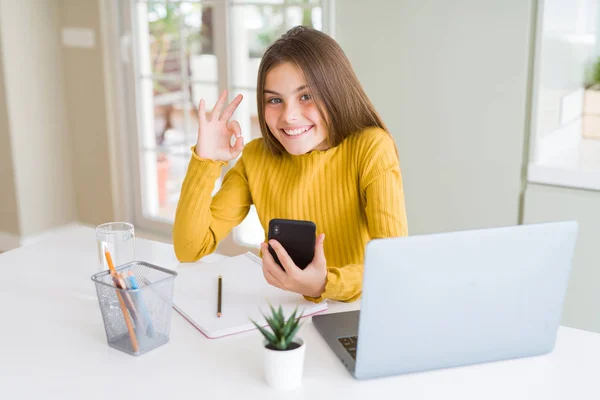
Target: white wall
x,y
450,79
85,92
9,220
34,91
546,204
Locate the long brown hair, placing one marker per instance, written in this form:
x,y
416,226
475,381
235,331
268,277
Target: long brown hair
x,y
333,85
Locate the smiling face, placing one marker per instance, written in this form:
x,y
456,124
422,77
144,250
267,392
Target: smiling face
x,y
290,112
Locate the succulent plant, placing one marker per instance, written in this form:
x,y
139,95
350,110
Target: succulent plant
x,y
283,331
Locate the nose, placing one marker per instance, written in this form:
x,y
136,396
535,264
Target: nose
x,y
291,112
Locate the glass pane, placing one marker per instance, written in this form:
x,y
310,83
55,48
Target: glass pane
x,y
162,106
254,28
257,1
246,114
303,16
198,33
159,174
306,2
178,1
159,32
207,91
162,176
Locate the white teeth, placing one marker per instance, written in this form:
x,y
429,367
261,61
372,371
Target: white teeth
x,y
295,132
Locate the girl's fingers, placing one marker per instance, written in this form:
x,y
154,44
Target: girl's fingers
x,y
237,148
230,109
271,279
284,258
216,112
234,126
271,265
202,112
267,266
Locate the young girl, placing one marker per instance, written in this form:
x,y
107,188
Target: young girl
x,y
324,156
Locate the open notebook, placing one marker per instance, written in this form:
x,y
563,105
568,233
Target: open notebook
x,y
245,293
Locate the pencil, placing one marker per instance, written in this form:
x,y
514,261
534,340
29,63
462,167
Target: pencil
x,y
220,294
113,273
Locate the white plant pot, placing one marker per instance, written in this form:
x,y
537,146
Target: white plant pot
x,y
283,368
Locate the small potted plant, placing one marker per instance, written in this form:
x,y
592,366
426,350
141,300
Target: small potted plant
x,y
591,104
284,355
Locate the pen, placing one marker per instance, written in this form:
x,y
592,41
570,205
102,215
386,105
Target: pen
x,y
220,294
134,285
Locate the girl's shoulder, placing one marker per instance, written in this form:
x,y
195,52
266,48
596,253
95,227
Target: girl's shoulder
x,y
368,135
375,153
371,139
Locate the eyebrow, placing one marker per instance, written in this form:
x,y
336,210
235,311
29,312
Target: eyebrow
x,y
279,94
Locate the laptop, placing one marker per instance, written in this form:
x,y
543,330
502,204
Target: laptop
x,y
451,299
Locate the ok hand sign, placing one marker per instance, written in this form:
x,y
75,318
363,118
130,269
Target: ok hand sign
x,y
215,132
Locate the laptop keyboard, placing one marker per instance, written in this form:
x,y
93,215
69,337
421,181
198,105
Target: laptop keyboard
x,y
349,343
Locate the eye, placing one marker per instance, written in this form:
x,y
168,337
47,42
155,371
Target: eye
x,y
274,100
305,97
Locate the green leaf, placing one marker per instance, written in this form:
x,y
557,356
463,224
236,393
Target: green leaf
x,y
268,335
596,77
287,328
272,324
273,312
281,345
275,319
280,317
294,331
293,316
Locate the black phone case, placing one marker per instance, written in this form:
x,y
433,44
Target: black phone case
x,y
297,238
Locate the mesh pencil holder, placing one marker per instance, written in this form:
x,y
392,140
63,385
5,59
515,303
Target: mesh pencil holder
x,y
136,320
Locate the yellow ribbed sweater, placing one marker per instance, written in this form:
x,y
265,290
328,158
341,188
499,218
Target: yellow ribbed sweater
x,y
352,192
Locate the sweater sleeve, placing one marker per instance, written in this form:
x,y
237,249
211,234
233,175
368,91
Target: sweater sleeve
x,y
202,221
382,194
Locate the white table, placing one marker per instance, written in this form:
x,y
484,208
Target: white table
x,y
53,345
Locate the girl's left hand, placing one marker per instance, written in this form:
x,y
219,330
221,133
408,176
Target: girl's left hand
x,y
308,282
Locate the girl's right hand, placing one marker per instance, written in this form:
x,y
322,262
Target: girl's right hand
x,y
215,132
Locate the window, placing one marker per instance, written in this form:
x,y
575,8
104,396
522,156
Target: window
x,y
183,51
564,149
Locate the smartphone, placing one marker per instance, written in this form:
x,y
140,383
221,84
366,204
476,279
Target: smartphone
x,y
297,238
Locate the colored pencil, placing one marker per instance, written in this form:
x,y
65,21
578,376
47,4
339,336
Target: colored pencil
x,y
113,273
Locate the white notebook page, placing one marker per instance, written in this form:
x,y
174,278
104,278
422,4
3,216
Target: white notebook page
x,y
245,293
